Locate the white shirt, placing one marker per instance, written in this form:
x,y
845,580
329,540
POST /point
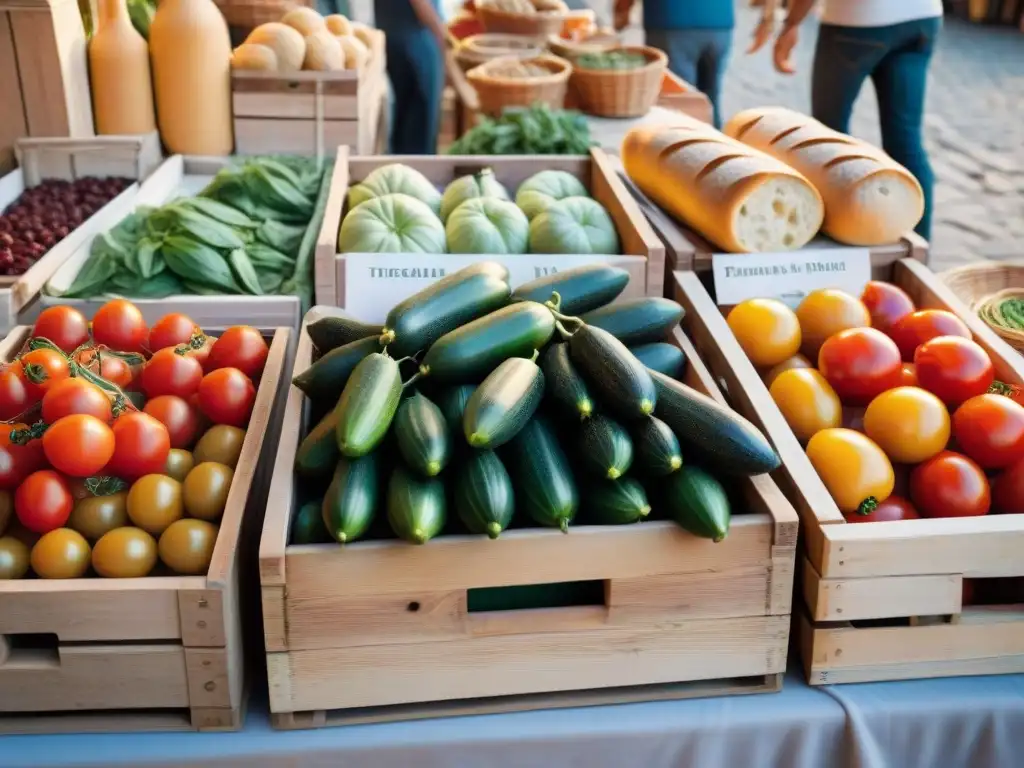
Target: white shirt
x,y
878,13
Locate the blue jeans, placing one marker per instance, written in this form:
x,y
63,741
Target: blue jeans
x,y
699,56
896,59
416,70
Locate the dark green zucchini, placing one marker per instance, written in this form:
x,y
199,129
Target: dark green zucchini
x,y
422,435
471,352
503,404
308,525
318,452
605,449
454,300
367,405
615,502
657,449
329,333
453,401
716,435
325,379
581,289
613,373
541,476
563,384
661,357
416,507
697,501
484,499
352,498
637,321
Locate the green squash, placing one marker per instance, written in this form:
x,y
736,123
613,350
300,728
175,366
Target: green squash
x,y
392,179
487,225
577,225
391,224
537,193
482,184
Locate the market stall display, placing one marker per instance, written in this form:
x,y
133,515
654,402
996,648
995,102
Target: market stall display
x,y
619,82
515,82
479,49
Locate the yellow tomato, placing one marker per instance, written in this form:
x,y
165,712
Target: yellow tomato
x,y
60,554
13,558
186,547
767,330
807,401
796,361
824,313
124,553
908,423
855,470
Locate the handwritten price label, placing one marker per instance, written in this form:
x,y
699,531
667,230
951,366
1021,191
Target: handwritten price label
x,y
789,277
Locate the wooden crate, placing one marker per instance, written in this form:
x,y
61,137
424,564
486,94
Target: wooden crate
x,y
154,653
906,577
178,175
310,113
643,252
382,630
679,95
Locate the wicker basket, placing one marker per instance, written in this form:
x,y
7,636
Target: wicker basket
x,y
984,287
539,25
621,93
597,43
247,14
479,49
496,92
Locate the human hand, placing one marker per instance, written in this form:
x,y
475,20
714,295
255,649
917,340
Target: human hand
x,y
784,46
762,34
620,15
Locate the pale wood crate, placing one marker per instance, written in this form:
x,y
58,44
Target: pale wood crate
x,y
910,573
381,630
153,653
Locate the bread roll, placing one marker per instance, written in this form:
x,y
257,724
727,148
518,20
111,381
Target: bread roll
x,y
870,199
741,199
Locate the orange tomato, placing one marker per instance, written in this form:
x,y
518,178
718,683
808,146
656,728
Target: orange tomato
x,y
795,362
857,473
886,303
824,313
767,330
79,445
807,401
908,423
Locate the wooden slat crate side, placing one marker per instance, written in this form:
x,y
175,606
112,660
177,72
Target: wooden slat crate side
x,y
14,125
327,242
133,157
266,135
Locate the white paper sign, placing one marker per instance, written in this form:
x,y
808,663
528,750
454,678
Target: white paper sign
x,y
789,276
375,282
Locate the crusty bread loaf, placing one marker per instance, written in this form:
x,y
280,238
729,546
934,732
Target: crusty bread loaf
x,y
870,199
739,198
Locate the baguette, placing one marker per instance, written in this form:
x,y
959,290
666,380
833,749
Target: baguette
x,y
737,197
870,199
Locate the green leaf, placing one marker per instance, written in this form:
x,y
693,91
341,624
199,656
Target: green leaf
x,y
206,230
264,257
160,286
285,238
244,271
93,278
197,263
148,258
225,214
271,282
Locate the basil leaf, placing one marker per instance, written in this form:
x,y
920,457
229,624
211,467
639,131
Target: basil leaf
x,y
92,279
206,230
245,272
197,263
218,211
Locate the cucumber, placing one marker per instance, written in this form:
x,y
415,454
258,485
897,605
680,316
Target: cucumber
x,y
416,507
367,405
616,502
502,405
637,321
329,333
541,476
605,449
563,384
318,452
612,373
696,501
656,446
352,498
416,323
326,378
453,401
484,499
723,439
308,525
581,289
422,434
477,348
661,357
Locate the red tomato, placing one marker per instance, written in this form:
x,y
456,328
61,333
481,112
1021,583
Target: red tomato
x,y
1008,490
141,445
953,368
908,375
177,415
42,369
990,429
1012,391
886,303
918,327
43,501
949,485
860,363
169,372
72,396
18,461
64,326
172,330
79,446
14,393
893,508
109,366
226,396
240,347
119,325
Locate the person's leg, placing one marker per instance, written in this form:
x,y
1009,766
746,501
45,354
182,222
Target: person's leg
x,y
843,59
900,82
403,85
711,68
682,47
418,103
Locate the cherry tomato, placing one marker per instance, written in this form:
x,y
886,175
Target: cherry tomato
x,y
855,470
14,556
860,363
953,368
14,394
226,396
1012,391
124,553
766,329
1008,490
949,485
893,508
909,424
154,502
886,303
199,348
79,446
186,547
222,444
109,366
43,501
42,369
64,326
171,373
990,429
119,325
177,415
908,375
141,445
243,347
18,461
795,362
807,401
61,554
918,327
72,396
826,312
171,330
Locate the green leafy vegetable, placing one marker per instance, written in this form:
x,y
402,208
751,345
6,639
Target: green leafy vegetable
x,y
536,130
